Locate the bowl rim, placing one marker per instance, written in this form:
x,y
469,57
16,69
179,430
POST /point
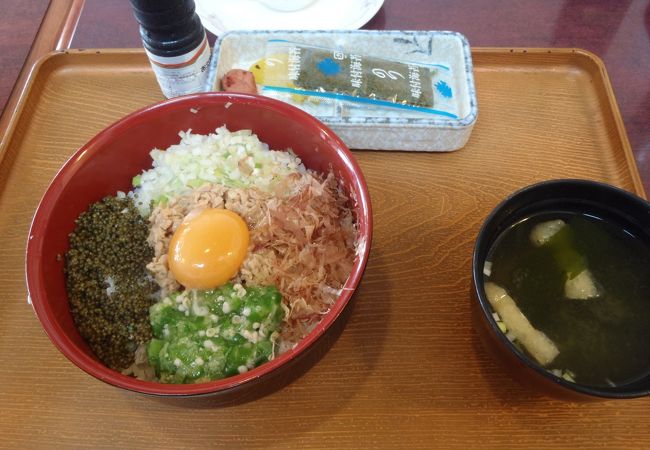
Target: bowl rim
x,y
36,285
486,309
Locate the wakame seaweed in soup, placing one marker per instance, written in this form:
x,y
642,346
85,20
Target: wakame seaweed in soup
x,y
602,328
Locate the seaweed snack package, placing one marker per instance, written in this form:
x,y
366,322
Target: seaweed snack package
x,y
329,82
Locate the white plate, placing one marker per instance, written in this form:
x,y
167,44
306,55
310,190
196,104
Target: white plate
x,y
220,16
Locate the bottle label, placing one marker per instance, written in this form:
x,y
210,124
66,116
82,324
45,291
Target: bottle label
x,y
183,74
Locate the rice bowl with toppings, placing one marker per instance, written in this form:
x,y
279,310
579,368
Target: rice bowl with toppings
x,y
295,249
105,166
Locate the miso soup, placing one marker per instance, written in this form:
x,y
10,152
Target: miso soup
x,y
583,284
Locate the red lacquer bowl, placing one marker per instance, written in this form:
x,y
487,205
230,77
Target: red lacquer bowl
x,y
108,163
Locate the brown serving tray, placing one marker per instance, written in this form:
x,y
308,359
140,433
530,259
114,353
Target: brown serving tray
x,y
407,370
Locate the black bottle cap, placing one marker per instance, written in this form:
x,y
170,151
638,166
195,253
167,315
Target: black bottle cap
x,y
168,27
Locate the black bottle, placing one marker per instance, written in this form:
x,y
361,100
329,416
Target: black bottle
x,y
176,44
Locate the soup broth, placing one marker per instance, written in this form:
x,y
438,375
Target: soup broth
x,y
603,340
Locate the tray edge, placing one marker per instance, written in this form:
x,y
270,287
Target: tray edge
x,y
34,72
586,55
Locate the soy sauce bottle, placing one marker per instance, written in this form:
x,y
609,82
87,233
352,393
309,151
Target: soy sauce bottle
x,y
176,44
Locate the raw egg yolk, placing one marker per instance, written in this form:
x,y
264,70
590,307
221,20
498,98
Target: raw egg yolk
x,y
208,248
